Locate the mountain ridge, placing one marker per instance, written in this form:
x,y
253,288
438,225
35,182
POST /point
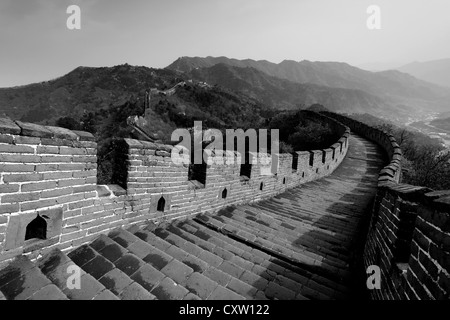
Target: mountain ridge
x,y
398,90
434,71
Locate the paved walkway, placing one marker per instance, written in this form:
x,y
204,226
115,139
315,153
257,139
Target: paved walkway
x,y
298,245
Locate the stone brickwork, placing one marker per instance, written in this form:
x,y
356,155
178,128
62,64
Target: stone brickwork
x,y
48,179
409,232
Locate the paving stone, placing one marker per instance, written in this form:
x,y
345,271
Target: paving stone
x,y
254,280
129,264
106,295
191,296
200,285
113,252
122,237
158,259
176,252
115,280
148,277
82,255
288,283
242,288
169,290
177,271
162,233
191,248
224,254
52,261
245,264
276,291
25,285
135,292
89,288
312,294
60,274
175,240
50,292
218,276
153,240
260,295
19,266
140,248
98,267
189,228
221,293
195,263
232,269
250,256
210,258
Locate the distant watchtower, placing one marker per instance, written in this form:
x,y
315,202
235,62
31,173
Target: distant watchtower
x,y
148,96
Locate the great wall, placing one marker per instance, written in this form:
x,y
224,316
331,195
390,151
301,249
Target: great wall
x,y
307,232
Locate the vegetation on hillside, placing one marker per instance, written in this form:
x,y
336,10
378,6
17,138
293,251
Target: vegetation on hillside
x,y
443,124
426,162
214,107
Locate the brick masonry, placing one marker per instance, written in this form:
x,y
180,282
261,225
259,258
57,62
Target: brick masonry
x,y
52,173
409,232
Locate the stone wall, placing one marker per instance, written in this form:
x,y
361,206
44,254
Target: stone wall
x,y
409,232
49,195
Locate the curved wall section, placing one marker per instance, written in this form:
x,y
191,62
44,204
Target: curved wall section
x,y
409,232
49,175
153,174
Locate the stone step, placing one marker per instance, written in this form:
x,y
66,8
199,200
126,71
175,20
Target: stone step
x,y
189,265
264,261
294,230
300,225
305,216
304,257
60,269
241,263
251,231
125,276
223,271
23,280
176,267
304,204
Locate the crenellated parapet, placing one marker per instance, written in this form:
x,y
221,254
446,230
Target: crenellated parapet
x,y
49,196
409,231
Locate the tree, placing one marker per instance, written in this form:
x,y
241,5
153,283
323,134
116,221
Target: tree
x,y
68,123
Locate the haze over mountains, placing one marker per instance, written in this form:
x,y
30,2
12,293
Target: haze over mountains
x,y
379,93
436,71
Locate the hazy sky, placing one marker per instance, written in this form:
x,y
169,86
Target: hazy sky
x,y
36,45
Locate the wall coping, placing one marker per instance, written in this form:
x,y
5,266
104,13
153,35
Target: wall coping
x,y
142,144
8,126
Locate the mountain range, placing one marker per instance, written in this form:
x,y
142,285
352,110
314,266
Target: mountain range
x,y
339,87
380,93
436,71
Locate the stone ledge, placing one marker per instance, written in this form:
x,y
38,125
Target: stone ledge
x,y
8,126
34,130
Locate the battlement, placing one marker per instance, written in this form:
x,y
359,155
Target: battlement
x,y
49,195
409,231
